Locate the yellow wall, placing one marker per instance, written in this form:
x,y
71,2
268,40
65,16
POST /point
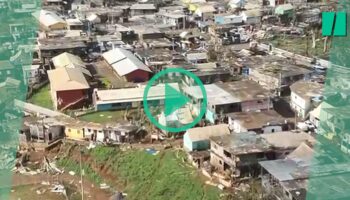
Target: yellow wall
x,y
74,133
192,7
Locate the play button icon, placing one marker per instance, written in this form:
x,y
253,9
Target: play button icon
x,y
173,100
167,103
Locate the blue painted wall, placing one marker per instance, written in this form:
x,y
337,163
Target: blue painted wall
x,y
111,106
219,19
210,116
190,145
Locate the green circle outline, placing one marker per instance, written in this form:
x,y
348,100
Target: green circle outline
x,y
155,121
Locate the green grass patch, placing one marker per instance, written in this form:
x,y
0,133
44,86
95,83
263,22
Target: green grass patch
x,y
71,165
145,176
156,177
42,97
300,45
106,83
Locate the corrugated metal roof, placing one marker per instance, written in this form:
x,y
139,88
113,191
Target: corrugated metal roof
x,y
70,61
63,79
48,18
124,62
65,59
156,92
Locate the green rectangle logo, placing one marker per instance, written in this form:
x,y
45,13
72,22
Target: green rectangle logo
x,y
334,23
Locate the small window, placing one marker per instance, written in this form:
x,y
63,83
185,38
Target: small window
x,y
69,130
272,130
215,146
220,162
89,130
78,132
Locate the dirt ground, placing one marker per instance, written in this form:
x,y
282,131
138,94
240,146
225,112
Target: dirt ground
x,y
27,184
91,191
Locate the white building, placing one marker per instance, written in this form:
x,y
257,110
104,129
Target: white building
x,y
302,95
129,97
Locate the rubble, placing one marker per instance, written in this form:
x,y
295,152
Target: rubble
x,y
50,167
104,186
152,151
209,39
58,188
91,145
71,173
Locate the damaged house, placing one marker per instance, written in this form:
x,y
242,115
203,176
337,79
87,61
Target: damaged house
x,y
69,88
229,97
45,131
237,155
303,172
259,122
123,133
197,139
305,95
275,74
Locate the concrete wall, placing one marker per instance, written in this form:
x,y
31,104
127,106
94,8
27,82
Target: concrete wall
x,y
190,145
300,105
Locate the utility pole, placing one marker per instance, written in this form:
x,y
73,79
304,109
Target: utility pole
x,y
295,120
81,175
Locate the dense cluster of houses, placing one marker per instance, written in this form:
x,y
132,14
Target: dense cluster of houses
x,y
100,54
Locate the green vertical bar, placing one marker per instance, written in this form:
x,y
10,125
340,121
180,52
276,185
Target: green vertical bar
x,y
329,174
17,28
340,24
327,23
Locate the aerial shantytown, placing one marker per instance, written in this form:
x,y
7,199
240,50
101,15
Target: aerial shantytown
x,y
94,121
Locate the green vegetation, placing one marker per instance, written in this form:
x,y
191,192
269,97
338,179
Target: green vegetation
x,y
106,83
300,45
42,98
72,165
162,176
145,176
